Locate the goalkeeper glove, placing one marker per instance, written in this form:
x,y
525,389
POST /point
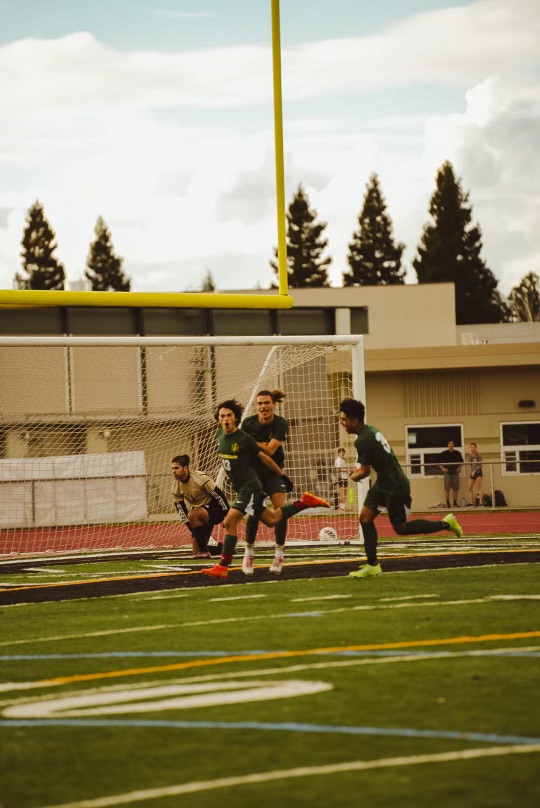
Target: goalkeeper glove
x,y
287,482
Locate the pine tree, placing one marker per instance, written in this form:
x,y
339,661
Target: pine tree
x,y
374,257
208,284
42,268
524,299
449,250
305,245
104,267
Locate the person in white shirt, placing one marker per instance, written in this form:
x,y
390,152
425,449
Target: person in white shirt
x,y
342,479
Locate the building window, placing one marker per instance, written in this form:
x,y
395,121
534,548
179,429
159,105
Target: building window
x,y
359,320
520,447
425,444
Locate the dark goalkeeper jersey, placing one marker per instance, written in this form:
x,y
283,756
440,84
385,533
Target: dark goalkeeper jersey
x,y
238,452
264,433
374,450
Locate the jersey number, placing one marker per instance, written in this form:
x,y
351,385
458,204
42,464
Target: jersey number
x,y
226,464
384,443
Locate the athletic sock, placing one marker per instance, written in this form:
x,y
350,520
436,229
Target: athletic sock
x,y
252,526
291,510
229,544
279,551
281,532
370,542
422,527
200,534
250,550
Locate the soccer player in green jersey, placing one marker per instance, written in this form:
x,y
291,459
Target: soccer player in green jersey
x,y
269,430
238,452
391,490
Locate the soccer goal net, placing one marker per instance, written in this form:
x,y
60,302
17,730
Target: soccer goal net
x,y
89,427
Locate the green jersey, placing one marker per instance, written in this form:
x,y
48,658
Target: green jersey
x,y
374,450
263,433
238,452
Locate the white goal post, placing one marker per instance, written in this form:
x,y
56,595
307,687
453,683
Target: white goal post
x,y
89,425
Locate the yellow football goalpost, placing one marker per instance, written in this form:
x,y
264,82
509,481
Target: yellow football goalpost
x,y
32,298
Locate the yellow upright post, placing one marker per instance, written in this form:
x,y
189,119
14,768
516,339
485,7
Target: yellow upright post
x,y
278,137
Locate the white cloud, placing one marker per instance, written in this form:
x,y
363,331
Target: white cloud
x,y
132,137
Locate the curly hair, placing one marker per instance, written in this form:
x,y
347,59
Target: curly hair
x,y
353,409
230,404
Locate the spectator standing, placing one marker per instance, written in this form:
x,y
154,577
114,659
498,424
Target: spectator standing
x,y
342,479
450,463
476,476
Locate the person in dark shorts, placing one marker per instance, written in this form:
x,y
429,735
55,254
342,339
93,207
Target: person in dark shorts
x,y
200,504
450,462
391,489
270,431
238,452
476,476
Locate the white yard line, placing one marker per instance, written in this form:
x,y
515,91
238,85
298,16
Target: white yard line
x,y
303,771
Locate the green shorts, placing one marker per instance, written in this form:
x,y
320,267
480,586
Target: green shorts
x,y
397,501
271,483
250,499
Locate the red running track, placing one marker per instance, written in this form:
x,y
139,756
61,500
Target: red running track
x,y
173,534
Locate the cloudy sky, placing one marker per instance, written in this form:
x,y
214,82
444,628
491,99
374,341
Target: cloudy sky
x,y
157,115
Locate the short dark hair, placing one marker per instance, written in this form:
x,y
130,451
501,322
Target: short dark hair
x,y
230,404
182,460
353,409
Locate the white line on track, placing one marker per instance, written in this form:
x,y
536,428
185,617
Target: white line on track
x,y
303,771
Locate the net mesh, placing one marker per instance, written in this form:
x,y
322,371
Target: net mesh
x,y
87,435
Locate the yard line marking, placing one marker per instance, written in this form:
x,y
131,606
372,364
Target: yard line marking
x,y
261,726
302,771
88,677
410,597
281,615
367,660
236,597
321,597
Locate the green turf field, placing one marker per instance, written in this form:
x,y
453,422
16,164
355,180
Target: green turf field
x,y
412,689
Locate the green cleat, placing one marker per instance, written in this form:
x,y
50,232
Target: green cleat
x,y
366,572
453,525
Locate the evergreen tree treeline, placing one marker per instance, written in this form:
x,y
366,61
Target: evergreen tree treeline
x,y
104,268
306,265
449,250
374,258
41,268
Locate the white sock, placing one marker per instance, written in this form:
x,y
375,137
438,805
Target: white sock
x,y
279,551
250,550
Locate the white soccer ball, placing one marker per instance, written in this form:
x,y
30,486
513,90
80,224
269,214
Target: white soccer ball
x,y
328,534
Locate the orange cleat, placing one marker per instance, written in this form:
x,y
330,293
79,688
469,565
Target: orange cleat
x,y
217,572
311,501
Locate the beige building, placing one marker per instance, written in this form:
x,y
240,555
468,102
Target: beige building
x,y
427,381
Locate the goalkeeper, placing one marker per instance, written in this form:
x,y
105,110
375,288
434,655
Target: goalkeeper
x,y
269,430
200,505
238,452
